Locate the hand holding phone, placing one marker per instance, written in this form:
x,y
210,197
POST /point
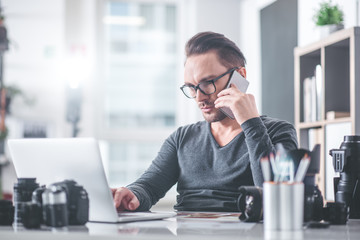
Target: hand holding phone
x,y
242,84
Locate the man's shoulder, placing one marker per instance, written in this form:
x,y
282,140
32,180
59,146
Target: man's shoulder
x,y
271,122
198,129
194,127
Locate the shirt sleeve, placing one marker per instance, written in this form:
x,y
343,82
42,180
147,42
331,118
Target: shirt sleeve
x,y
261,141
162,174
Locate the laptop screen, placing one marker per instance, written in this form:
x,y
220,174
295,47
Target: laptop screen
x,y
56,159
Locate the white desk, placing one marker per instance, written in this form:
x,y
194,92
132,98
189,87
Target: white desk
x,y
181,229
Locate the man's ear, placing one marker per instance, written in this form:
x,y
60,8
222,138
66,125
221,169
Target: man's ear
x,y
242,71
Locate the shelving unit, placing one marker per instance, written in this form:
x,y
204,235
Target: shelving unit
x,y
339,57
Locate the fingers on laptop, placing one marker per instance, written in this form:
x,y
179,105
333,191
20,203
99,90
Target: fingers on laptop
x,y
133,204
113,190
124,199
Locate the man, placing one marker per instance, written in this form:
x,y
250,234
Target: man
x,y
211,159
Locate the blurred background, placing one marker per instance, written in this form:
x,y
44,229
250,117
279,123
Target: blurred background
x,y
111,69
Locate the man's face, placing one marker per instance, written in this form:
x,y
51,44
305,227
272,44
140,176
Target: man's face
x,y
205,67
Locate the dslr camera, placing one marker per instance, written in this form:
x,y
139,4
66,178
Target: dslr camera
x,y
346,161
58,205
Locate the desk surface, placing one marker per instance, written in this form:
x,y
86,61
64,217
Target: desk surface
x,y
181,228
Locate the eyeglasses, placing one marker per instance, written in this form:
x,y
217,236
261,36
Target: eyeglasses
x,y
206,87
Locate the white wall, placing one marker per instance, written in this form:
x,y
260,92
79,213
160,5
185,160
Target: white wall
x,y
35,29
307,30
43,35
80,45
250,43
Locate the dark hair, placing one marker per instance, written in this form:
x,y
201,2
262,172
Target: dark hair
x,y
227,51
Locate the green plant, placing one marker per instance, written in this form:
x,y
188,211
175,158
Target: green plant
x,y
13,91
328,14
3,133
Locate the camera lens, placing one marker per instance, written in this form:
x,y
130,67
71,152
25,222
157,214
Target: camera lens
x,y
31,215
250,204
55,206
6,212
336,213
352,138
23,190
346,161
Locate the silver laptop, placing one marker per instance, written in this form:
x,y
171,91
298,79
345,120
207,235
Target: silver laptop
x,y
52,160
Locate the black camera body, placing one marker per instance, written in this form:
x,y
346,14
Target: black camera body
x,y
77,202
58,205
346,161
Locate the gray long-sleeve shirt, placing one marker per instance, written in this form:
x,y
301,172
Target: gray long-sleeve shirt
x,y
208,176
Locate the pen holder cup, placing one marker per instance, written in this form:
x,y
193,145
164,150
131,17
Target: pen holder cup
x,y
283,206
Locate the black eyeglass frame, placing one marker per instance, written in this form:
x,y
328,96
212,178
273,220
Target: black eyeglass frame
x,y
208,81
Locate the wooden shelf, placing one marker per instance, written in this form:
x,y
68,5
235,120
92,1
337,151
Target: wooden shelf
x,y
339,58
318,124
305,125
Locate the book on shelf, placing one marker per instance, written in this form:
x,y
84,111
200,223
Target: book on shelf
x,y
308,99
318,83
312,87
331,115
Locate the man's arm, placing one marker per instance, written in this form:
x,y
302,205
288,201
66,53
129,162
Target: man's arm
x,y
261,141
156,181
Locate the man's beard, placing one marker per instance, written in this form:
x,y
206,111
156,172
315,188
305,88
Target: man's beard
x,y
217,116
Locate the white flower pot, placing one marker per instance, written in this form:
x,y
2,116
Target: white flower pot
x,y
326,30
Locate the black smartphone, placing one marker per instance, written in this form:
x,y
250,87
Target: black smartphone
x,y
241,83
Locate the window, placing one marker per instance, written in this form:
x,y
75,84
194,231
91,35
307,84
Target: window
x,y
138,61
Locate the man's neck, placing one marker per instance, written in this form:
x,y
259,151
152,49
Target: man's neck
x,y
225,130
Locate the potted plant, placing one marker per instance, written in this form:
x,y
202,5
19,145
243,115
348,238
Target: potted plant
x,y
3,135
10,93
329,18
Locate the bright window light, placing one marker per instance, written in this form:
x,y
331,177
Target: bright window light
x,y
124,20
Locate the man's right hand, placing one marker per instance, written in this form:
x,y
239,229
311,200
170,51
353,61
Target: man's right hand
x,y
124,199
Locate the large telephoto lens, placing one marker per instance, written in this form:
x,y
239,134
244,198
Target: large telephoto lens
x,y
352,145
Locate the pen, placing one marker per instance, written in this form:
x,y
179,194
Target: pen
x,y
291,171
274,167
302,169
265,167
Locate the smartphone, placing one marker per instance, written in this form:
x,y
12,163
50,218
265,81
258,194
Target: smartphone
x,y
242,84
